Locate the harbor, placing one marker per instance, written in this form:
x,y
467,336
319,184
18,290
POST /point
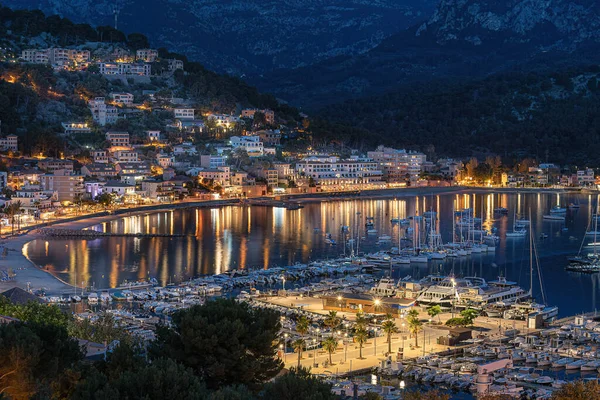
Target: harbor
x,y
486,264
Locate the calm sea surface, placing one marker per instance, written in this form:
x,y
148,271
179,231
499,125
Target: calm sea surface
x,y
220,239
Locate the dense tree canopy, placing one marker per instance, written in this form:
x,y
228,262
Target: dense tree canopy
x,y
224,342
34,312
298,384
33,356
513,115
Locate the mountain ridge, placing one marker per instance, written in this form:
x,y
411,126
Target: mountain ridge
x,y
462,38
251,36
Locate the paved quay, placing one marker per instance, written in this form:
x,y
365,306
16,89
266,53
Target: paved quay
x,y
346,357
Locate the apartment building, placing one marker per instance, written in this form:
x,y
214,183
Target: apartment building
x,y
175,64
147,55
101,112
125,156
99,170
269,114
118,68
67,186
64,57
34,198
165,160
72,128
56,56
221,176
122,98
120,139
334,172
36,56
212,161
183,113
10,142
224,120
398,165
138,168
252,144
54,164
270,137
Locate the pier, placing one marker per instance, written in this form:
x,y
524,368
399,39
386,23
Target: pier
x,y
91,234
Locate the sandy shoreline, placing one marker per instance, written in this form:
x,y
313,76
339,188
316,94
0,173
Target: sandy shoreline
x,y
29,275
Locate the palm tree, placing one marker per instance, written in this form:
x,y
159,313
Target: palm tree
x,y
361,320
298,346
11,212
434,311
361,336
332,321
330,344
389,327
414,325
302,325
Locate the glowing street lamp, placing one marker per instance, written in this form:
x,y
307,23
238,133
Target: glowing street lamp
x,y
285,336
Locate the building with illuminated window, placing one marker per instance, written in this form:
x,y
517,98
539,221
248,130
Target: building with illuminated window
x,y
335,173
398,165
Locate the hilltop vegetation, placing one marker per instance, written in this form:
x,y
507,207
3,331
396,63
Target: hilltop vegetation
x,y
34,99
554,116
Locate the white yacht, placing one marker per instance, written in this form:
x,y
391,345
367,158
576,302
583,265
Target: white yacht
x,y
386,287
483,294
523,310
444,293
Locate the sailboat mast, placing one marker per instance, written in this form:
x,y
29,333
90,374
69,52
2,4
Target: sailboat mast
x,y
530,258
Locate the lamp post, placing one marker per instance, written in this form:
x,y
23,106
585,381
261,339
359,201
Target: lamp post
x,y
285,336
346,347
280,350
374,337
283,279
424,338
339,299
453,294
314,352
403,338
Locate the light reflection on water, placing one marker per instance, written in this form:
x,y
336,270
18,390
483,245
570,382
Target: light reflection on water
x,y
220,239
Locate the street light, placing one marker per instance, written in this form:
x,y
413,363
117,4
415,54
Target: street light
x,y
375,338
285,336
453,294
314,352
403,339
424,338
377,303
339,299
280,350
346,349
